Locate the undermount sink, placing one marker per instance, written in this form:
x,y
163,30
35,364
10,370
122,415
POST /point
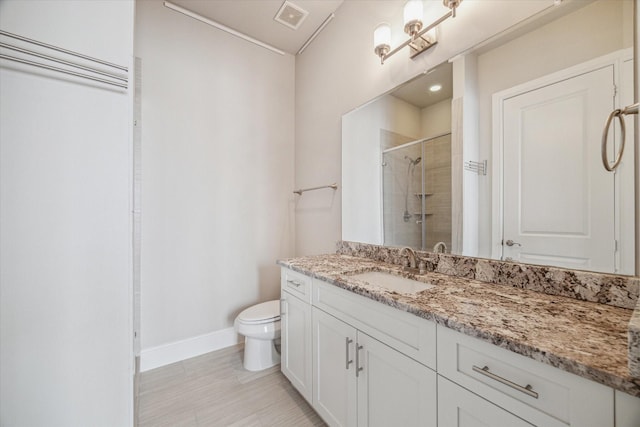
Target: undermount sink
x,y
392,282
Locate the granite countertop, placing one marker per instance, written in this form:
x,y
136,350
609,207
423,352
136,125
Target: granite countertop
x,y
585,338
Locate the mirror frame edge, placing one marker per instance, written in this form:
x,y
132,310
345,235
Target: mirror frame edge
x,y
636,96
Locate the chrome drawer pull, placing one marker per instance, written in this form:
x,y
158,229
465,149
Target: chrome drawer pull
x,y
528,390
348,361
294,283
358,367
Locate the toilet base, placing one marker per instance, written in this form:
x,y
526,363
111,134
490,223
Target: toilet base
x,y
260,354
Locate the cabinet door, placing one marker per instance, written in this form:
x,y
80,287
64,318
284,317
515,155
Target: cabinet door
x,y
334,379
627,410
393,389
458,407
296,343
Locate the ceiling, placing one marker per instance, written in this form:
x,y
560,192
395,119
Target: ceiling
x,y
417,91
255,18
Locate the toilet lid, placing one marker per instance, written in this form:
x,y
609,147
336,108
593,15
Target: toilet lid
x,y
261,312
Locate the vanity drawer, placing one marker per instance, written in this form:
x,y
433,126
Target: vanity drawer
x,y
537,392
409,334
296,284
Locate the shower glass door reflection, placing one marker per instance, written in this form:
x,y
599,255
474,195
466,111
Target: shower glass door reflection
x,y
416,193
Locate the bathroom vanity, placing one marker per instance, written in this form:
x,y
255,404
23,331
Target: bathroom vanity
x,y
462,353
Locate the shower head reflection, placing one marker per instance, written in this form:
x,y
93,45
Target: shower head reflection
x,y
413,161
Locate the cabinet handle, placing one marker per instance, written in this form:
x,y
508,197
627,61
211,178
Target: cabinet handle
x,y
294,283
348,362
282,304
358,367
528,390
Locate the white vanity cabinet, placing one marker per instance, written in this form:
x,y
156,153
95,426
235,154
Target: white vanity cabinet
x,y
402,331
334,379
359,381
458,407
363,363
371,362
393,389
627,410
295,324
538,393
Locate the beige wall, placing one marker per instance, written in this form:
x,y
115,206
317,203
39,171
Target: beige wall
x,y
436,119
217,174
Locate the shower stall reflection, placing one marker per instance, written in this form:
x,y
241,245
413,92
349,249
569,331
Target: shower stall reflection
x,y
417,192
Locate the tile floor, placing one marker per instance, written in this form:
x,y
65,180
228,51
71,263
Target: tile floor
x,y
215,390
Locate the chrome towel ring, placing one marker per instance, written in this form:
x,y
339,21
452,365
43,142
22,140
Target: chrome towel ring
x,y
619,113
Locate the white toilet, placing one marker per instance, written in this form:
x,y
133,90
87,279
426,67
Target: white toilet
x,y
260,325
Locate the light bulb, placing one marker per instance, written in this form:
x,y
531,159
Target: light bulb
x,y
382,35
413,11
413,17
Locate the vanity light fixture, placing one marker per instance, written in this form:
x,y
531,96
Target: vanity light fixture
x,y
420,39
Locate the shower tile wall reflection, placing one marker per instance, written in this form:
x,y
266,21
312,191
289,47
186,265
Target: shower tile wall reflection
x,y
402,210
437,182
416,191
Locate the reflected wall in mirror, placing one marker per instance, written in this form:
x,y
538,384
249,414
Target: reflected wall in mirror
x,y
399,164
532,103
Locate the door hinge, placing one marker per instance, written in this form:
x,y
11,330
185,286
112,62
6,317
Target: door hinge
x,y
615,245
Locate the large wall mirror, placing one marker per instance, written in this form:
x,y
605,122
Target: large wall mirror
x,y
497,153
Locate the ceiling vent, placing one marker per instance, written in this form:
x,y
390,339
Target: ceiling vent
x,y
291,15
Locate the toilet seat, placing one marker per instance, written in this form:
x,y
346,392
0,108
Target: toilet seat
x,y
265,312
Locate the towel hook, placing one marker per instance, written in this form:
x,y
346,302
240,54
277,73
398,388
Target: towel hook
x,y
617,113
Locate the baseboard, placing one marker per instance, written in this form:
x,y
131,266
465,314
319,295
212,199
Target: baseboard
x,y
166,354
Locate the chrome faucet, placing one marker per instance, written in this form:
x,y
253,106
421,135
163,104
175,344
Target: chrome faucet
x,y
440,248
412,256
416,265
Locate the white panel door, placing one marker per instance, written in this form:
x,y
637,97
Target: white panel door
x,y
296,343
393,389
458,407
558,198
334,379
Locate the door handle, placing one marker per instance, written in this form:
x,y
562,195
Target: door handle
x,y
348,360
512,243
